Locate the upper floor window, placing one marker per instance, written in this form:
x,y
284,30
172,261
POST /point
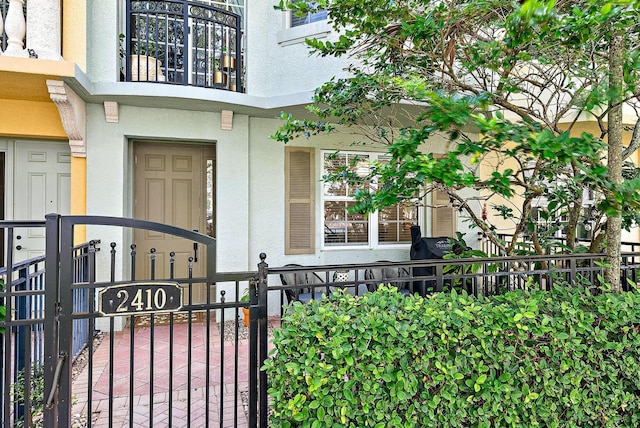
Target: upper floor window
x,y
391,225
297,20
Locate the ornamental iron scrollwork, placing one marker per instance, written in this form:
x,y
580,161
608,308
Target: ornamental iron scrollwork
x,y
205,50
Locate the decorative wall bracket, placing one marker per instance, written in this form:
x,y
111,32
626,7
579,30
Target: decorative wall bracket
x,y
73,114
111,112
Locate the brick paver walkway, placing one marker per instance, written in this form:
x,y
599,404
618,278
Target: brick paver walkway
x,y
193,392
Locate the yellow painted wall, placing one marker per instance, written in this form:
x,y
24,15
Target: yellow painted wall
x,y
592,128
74,32
79,194
490,161
30,119
634,234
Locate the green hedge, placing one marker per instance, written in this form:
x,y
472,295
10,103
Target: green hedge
x,y
565,358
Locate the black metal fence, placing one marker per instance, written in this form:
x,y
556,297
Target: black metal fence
x,y
183,42
486,276
187,365
23,337
148,360
193,365
551,245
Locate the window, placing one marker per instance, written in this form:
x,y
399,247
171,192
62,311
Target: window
x,y
297,20
342,228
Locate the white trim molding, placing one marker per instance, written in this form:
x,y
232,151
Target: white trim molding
x,y
73,114
294,35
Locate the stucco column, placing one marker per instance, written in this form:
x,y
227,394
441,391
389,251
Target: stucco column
x,y
79,195
44,28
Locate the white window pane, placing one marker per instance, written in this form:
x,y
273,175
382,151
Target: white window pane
x,y
342,227
332,164
297,20
394,223
358,233
390,226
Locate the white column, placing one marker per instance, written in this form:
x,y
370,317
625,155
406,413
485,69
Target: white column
x,y
16,29
43,22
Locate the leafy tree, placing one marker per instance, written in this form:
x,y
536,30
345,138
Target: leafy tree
x,y
510,86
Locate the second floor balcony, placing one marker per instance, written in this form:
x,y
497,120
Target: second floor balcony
x,y
179,42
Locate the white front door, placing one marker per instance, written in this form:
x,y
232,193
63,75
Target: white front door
x,y
42,185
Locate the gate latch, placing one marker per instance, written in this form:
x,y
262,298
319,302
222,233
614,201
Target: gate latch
x,y
56,379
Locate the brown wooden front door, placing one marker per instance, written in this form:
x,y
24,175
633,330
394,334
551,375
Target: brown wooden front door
x,y
173,185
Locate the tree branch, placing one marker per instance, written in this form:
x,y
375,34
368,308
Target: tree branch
x,y
634,143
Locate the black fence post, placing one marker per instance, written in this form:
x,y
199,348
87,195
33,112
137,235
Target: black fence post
x,y
65,327
258,347
50,417
439,277
253,355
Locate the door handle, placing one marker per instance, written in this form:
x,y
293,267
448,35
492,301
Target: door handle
x,y
18,247
195,249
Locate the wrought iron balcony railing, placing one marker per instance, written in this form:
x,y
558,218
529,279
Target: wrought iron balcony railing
x,y
182,42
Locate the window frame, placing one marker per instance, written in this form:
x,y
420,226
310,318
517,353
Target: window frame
x,y
373,219
309,19
291,35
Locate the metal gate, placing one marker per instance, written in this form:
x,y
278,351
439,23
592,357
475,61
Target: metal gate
x,y
153,357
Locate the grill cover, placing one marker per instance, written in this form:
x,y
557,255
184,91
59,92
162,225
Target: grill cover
x,y
423,249
428,248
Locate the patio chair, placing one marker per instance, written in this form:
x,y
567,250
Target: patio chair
x,y
304,294
388,275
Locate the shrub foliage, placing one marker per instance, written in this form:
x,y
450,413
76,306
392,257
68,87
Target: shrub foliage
x,y
569,357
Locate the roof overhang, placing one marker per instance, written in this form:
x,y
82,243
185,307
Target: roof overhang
x,y
25,79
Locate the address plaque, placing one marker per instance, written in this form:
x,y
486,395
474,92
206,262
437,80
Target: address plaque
x,y
140,298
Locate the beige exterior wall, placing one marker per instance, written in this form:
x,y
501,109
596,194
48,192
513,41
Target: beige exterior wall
x,y
490,162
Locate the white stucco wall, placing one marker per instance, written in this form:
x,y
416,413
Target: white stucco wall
x,y
109,186
250,166
272,69
249,185
103,25
275,68
109,167
267,190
